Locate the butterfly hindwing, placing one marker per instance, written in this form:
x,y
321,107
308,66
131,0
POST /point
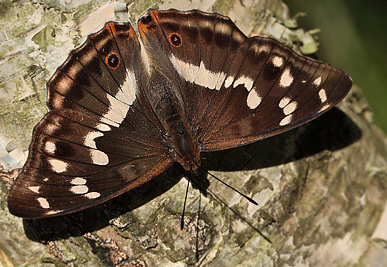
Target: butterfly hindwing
x,y
74,161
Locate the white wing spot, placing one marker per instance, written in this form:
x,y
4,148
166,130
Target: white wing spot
x,y
103,127
52,212
278,61
284,101
253,99
317,82
51,128
265,49
207,77
228,81
98,157
246,81
323,96
79,189
286,120
144,57
78,181
34,189
50,147
186,70
303,81
89,139
199,75
286,78
117,108
92,195
129,87
290,108
57,165
43,202
105,120
221,78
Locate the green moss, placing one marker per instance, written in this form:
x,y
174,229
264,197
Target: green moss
x,y
84,10
142,6
223,7
44,37
50,260
5,5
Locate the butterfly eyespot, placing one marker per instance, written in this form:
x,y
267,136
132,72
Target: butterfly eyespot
x,y
175,39
186,167
113,61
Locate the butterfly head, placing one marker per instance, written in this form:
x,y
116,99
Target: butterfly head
x,y
192,165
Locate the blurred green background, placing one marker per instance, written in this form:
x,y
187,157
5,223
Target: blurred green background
x,y
353,37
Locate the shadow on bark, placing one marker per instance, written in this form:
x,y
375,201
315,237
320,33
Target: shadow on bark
x,y
332,131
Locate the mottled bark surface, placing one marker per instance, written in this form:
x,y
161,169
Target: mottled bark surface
x,y
321,188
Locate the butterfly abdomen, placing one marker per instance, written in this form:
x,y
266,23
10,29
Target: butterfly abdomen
x,y
163,97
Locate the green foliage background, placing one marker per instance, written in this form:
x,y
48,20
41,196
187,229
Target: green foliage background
x,y
353,37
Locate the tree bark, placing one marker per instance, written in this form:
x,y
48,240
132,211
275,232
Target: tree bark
x,y
321,188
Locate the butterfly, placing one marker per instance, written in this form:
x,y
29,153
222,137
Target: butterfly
x,y
123,110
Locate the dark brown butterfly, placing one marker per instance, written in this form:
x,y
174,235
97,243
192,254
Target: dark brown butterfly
x,y
123,110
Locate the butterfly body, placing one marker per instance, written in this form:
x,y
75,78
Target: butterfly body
x,y
184,148
123,110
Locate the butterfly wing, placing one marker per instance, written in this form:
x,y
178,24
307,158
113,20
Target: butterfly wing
x,y
245,89
209,42
270,91
99,139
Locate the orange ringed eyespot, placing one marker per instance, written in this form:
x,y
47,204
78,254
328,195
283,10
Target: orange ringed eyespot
x,y
175,39
113,61
186,167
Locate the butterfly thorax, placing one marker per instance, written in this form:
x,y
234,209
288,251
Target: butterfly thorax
x,y
186,150
169,108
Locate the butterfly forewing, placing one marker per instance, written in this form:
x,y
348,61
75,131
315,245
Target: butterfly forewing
x,y
202,58
296,91
246,88
74,160
87,82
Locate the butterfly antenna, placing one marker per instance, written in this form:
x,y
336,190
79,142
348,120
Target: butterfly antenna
x,y
236,213
229,186
185,201
197,229
240,217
